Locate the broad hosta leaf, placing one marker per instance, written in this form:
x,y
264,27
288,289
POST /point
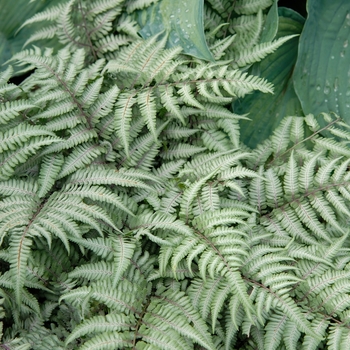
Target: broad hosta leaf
x,y
322,72
6,49
182,21
271,24
266,110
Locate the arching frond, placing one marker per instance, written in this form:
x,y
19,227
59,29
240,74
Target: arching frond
x,y
248,7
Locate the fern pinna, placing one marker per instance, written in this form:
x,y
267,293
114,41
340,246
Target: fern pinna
x,y
132,217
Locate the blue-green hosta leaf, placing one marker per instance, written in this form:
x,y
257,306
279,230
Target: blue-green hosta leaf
x,y
182,22
322,72
6,49
270,27
265,110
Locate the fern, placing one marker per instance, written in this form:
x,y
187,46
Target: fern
x,y
132,216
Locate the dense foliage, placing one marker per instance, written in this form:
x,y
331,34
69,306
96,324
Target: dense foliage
x,y
132,214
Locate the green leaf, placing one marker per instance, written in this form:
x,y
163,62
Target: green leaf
x,y
6,49
267,111
271,24
322,71
181,21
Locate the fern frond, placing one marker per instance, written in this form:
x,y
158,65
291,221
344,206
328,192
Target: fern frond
x,y
222,6
97,193
188,97
42,34
291,335
133,5
79,135
111,43
251,6
81,156
10,159
123,252
50,168
322,207
161,221
191,192
114,339
170,102
5,75
20,251
323,173
279,139
291,187
63,122
17,187
207,163
258,52
287,305
100,6
129,26
123,114
174,131
47,15
108,323
307,215
320,326
103,176
100,246
250,37
307,171
274,331
93,271
142,151
210,197
65,23
220,217
11,109
147,106
47,226
333,146
219,49
172,305
273,189
181,150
